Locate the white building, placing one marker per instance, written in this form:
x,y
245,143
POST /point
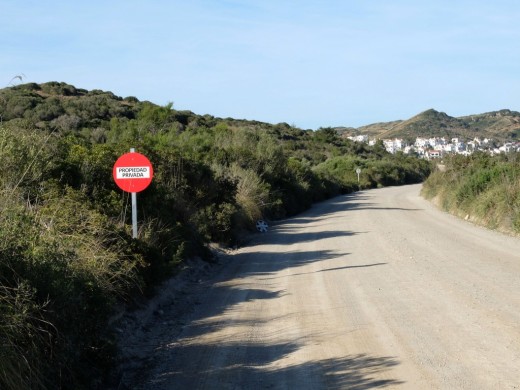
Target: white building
x,y
432,154
394,145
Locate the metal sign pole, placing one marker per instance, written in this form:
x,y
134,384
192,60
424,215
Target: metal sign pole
x,y
134,215
134,209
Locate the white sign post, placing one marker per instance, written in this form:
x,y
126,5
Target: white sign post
x,y
134,207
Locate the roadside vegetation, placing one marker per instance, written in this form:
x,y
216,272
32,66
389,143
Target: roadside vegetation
x,y
66,252
481,188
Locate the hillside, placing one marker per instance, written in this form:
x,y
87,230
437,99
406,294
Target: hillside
x,y
498,125
63,106
67,257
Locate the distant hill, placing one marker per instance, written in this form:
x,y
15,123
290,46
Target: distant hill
x,y
499,125
61,105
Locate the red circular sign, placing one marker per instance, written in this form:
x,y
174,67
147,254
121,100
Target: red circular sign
x,y
132,172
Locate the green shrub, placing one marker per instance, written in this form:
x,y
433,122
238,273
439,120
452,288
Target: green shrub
x,y
484,187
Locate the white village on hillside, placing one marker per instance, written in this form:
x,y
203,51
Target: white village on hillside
x,y
437,147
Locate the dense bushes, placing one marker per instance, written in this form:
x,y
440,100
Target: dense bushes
x,y
386,171
485,189
62,266
66,254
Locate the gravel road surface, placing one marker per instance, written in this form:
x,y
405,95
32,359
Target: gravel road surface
x,y
377,289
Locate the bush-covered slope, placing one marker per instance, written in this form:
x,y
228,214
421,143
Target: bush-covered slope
x,y
481,188
66,254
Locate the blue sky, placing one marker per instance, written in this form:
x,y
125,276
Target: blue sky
x,y
307,63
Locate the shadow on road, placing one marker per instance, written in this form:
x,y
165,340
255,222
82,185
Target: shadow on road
x,y
269,263
258,363
255,367
329,269
351,266
355,201
287,235
200,358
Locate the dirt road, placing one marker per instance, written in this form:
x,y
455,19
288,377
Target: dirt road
x,y
372,290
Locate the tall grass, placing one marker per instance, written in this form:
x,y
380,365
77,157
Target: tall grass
x,y
23,332
62,264
24,336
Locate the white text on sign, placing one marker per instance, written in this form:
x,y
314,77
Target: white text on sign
x,y
133,173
